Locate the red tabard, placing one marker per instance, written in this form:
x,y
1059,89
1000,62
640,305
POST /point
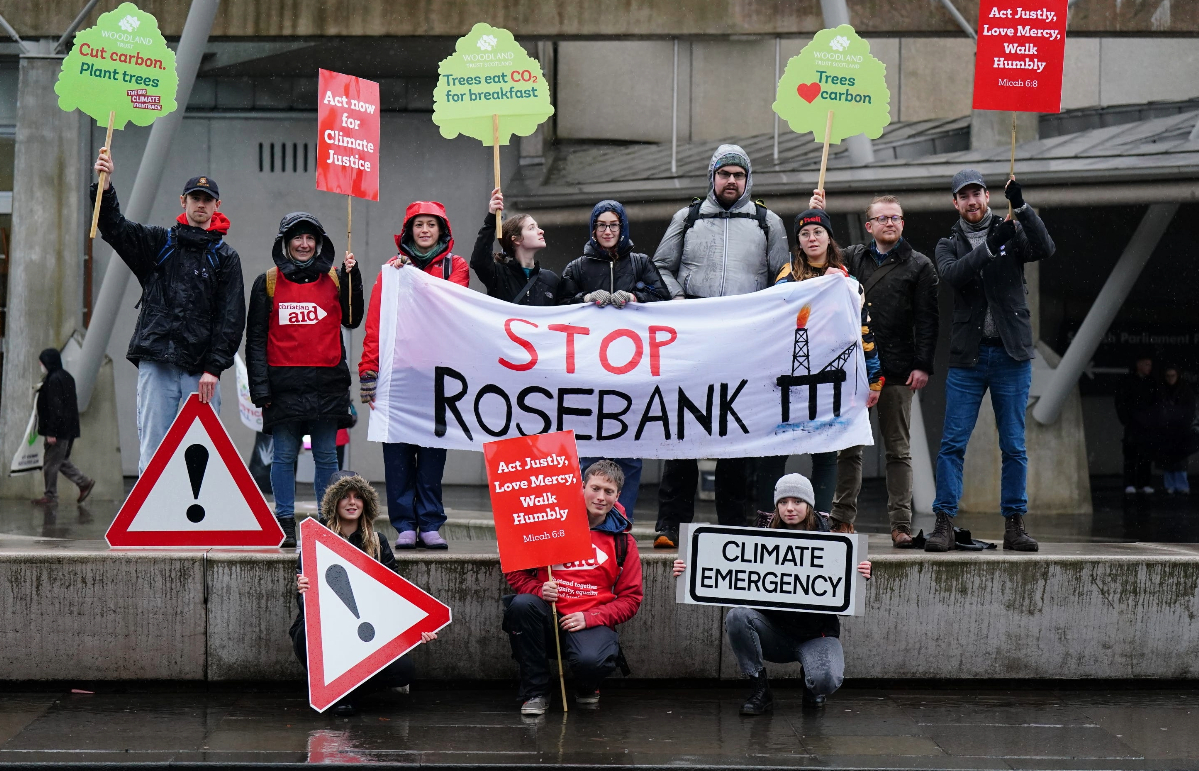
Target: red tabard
x,y
305,326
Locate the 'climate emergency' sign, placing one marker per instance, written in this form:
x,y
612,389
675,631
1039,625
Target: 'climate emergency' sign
x,y
772,569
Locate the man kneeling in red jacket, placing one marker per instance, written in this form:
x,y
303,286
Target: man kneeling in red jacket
x,y
593,596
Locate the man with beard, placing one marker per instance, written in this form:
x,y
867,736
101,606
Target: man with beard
x,y
990,348
724,244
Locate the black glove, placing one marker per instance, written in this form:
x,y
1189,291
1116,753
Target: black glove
x,y
1000,234
1013,193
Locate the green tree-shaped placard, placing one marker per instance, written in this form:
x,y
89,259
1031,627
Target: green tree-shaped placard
x,y
121,65
490,74
835,72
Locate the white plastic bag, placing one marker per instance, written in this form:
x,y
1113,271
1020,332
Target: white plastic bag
x,y
29,454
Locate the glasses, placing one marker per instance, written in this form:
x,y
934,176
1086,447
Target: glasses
x,y
727,175
613,226
896,218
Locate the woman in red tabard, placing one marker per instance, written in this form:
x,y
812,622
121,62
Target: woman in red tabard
x,y
295,355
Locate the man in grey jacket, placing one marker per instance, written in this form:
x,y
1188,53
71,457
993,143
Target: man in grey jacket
x,y
723,245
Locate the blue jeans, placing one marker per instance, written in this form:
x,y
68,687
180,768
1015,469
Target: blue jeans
x,y
414,486
161,390
1008,381
289,438
1177,481
632,480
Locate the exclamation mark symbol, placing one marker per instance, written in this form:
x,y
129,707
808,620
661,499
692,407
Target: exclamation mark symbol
x,y
196,458
339,581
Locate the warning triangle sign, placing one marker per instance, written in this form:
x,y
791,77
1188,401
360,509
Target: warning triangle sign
x,y
358,615
195,492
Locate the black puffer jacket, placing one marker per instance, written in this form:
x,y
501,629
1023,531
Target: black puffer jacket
x,y
980,278
193,309
903,307
596,269
300,393
503,276
57,407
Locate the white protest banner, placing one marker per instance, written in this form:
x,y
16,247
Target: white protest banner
x,y
251,416
800,570
776,372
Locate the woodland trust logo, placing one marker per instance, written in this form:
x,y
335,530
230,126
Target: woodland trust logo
x,y
839,43
130,23
487,42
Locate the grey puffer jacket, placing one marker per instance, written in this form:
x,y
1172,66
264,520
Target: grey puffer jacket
x,y
721,256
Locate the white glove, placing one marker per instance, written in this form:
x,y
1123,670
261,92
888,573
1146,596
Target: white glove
x,y
599,297
621,298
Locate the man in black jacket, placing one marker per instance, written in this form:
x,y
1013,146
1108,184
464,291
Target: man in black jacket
x,y
192,309
58,423
901,290
990,349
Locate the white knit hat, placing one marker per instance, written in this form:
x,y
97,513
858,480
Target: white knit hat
x,y
794,486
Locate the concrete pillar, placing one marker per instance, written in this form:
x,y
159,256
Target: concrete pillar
x,y
46,256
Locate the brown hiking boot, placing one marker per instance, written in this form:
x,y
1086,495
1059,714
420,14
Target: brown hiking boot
x,y
901,537
1015,537
941,538
842,527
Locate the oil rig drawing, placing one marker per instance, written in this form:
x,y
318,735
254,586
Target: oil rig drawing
x,y
801,371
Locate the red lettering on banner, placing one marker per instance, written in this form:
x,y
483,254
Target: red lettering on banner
x,y
532,362
656,346
613,336
570,330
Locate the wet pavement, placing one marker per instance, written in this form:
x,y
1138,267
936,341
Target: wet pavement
x,y
632,727
1156,519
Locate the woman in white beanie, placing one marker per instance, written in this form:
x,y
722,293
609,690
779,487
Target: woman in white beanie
x,y
784,636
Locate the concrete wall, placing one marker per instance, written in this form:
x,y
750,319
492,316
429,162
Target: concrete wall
x,y
1105,611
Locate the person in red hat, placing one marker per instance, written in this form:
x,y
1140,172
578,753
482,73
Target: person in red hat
x,y
413,473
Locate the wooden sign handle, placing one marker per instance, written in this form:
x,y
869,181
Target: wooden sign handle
x,y
828,131
1011,171
349,250
112,116
553,605
499,215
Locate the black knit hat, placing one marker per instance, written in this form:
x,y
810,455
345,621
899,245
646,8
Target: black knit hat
x,y
813,217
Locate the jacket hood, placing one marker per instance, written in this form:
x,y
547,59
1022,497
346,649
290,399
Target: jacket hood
x,y
51,359
624,245
727,155
404,240
337,490
616,521
318,265
218,224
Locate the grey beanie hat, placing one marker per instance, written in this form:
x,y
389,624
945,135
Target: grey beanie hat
x,y
794,486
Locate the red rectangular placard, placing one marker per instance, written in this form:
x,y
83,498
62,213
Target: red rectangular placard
x,y
1020,53
537,500
347,147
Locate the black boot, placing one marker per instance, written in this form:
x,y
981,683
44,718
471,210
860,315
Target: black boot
x,y
289,531
761,700
1015,537
811,699
941,538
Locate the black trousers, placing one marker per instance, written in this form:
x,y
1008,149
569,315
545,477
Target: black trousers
x,y
1138,466
676,493
397,674
591,653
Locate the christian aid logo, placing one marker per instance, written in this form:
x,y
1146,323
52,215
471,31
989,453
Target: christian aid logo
x,y
300,313
600,558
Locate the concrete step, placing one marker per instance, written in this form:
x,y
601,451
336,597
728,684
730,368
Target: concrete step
x,y
1108,611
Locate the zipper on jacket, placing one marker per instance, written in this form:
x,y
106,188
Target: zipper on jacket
x,y
724,265
611,276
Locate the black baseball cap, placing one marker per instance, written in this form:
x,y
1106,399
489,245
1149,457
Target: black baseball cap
x,y
202,184
967,177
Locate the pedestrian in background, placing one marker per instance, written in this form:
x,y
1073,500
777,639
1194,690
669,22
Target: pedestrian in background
x,y
1179,440
1138,407
58,423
